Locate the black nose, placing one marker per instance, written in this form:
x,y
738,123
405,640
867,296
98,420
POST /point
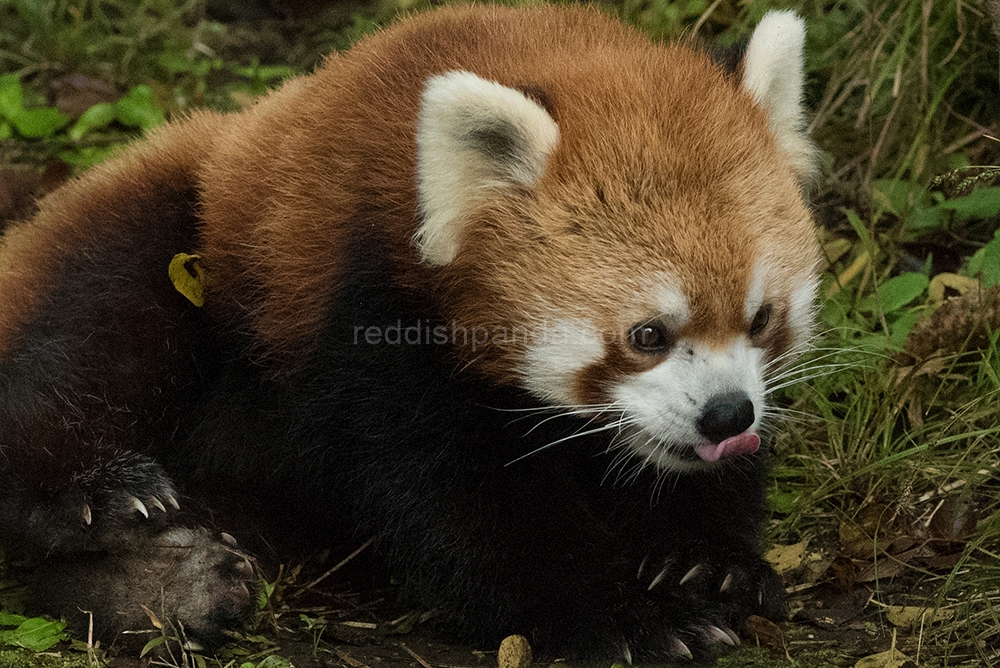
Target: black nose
x,y
725,415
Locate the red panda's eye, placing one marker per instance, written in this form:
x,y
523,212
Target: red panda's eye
x,y
650,337
759,321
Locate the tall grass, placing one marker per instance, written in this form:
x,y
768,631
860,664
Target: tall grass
x,y
117,39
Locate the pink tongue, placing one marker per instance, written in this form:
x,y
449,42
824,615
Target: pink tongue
x,y
742,444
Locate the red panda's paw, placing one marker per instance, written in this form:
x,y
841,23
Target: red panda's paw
x,y
747,586
114,502
190,586
695,642
201,584
700,609
677,629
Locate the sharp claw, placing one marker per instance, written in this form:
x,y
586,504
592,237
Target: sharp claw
x,y
682,650
642,566
173,502
193,646
627,654
715,634
138,505
760,597
228,539
691,573
156,502
87,517
726,582
659,577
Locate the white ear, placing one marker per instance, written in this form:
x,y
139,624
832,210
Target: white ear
x,y
473,135
773,73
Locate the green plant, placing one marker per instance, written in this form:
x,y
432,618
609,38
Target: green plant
x,y
78,143
34,633
116,39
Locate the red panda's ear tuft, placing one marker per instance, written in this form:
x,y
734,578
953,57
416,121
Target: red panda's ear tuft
x,y
473,135
774,74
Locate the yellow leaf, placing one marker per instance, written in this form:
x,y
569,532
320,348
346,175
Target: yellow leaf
x,y
860,263
785,558
835,249
892,658
960,284
188,277
152,617
911,616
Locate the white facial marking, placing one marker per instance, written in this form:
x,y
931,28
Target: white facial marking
x,y
755,295
552,361
671,302
667,401
473,134
774,74
802,310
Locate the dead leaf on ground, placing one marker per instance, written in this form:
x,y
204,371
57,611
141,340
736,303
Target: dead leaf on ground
x,y
891,658
954,520
913,616
786,558
765,633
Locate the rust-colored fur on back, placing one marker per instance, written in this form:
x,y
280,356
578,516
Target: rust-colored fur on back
x,y
280,190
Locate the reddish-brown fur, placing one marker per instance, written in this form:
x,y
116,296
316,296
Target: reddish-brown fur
x,y
280,181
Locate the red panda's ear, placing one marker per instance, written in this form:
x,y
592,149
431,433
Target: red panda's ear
x,y
473,135
774,74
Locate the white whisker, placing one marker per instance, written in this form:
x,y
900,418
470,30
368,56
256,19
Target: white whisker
x,y
580,433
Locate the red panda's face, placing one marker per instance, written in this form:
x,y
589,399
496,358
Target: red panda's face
x,y
647,257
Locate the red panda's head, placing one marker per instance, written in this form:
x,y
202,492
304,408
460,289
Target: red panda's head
x,y
626,237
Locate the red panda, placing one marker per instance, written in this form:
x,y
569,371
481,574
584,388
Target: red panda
x,y
501,288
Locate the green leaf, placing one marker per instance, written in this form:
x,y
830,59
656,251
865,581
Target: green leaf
x,y
36,634
87,156
264,72
39,123
151,645
9,619
859,227
97,116
977,205
925,218
900,328
899,197
33,123
896,293
11,100
986,262
784,502
138,109
6,130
